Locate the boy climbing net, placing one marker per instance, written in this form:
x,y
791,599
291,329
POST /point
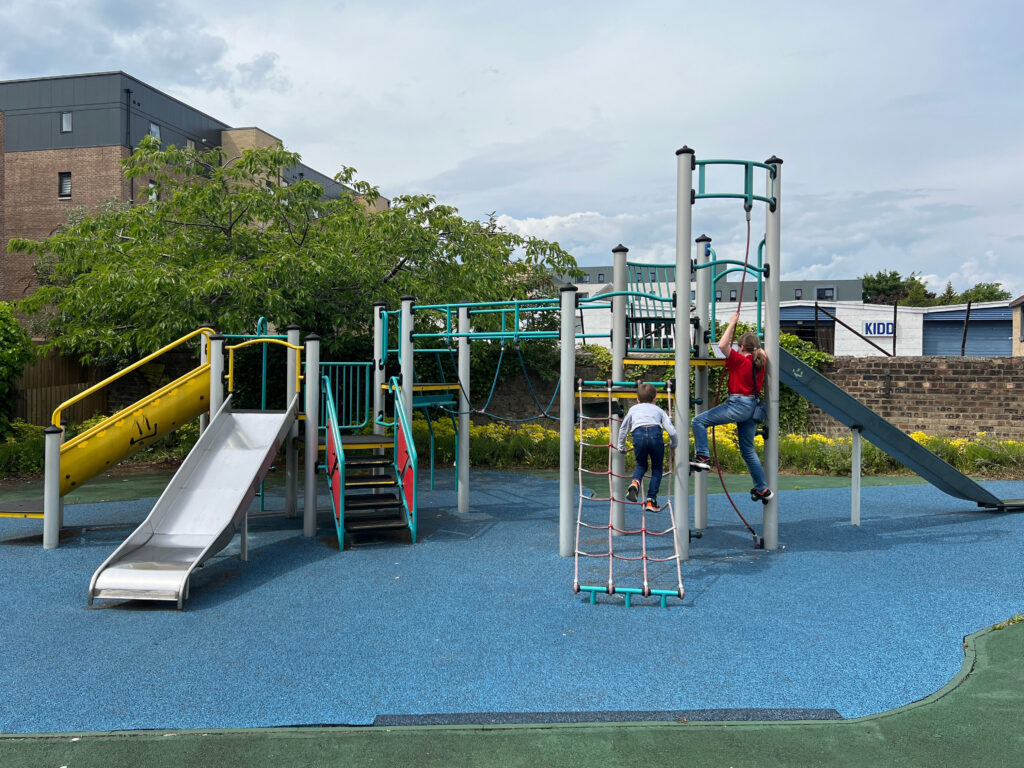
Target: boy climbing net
x,y
645,421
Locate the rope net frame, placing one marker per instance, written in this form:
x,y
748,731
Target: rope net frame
x,y
648,554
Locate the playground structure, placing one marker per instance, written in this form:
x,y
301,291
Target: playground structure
x,y
210,496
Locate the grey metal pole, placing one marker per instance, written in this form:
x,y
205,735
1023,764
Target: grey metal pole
x,y
406,353
703,300
772,296
216,374
619,280
379,365
855,471
686,161
54,436
566,422
291,453
311,383
462,459
204,418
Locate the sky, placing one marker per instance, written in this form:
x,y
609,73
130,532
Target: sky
x,y
899,123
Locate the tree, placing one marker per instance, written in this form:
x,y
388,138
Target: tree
x,y
889,286
225,243
984,292
15,353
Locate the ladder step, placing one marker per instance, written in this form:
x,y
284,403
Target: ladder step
x,y
367,461
370,481
375,525
362,501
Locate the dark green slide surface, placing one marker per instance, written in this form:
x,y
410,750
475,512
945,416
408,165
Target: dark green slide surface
x,y
817,389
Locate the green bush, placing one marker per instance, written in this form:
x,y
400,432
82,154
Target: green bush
x,y
16,352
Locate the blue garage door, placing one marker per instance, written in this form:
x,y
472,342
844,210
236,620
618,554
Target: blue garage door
x,y
984,339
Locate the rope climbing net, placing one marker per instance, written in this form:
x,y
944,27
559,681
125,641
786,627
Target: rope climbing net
x,y
646,551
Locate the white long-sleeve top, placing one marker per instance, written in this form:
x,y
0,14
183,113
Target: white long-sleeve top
x,y
646,415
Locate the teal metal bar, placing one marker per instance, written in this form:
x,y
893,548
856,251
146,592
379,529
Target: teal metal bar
x,y
630,384
331,421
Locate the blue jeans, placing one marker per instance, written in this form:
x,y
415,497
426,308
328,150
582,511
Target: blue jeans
x,y
649,444
736,410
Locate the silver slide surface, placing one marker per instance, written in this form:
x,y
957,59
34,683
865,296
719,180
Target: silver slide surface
x,y
197,513
814,387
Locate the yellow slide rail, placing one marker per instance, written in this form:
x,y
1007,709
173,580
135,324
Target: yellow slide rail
x,y
130,429
207,332
249,343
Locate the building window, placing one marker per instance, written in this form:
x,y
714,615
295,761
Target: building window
x,y
154,192
154,131
826,294
586,277
65,122
798,293
64,184
600,277
654,277
732,294
693,295
718,295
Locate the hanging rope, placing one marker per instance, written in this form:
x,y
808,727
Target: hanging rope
x,y
758,541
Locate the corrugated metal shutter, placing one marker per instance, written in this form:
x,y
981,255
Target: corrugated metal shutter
x,y
990,339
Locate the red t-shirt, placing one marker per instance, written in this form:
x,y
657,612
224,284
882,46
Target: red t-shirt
x,y
741,374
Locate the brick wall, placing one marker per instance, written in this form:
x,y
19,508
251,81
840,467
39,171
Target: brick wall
x,y
944,396
32,208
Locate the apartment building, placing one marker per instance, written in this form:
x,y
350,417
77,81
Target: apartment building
x,y
62,140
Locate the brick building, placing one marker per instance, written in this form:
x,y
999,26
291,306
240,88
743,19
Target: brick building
x,y
62,140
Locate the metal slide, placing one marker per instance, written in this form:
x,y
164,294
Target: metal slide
x,y
811,385
197,513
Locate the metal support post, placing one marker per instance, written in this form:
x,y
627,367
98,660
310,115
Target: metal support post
x,y
216,374
54,436
772,296
702,294
685,161
291,453
462,458
619,280
855,472
406,353
567,422
379,366
311,384
204,418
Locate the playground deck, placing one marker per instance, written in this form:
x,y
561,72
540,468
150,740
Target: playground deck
x,y
477,624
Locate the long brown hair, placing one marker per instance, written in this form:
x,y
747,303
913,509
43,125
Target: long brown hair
x,y
751,345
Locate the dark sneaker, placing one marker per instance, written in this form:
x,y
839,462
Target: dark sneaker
x,y
700,463
763,496
632,491
651,505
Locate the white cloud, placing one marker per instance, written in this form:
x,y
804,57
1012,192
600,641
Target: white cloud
x,y
565,116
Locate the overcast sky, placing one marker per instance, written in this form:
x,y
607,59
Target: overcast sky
x,y
900,124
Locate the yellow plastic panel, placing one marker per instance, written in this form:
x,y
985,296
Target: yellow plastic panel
x,y
133,428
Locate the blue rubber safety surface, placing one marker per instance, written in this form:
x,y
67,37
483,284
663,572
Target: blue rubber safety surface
x,y
479,617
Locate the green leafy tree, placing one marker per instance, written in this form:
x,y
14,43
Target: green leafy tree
x,y
889,286
985,292
948,296
15,353
226,242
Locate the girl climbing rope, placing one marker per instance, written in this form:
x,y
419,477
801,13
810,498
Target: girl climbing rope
x,y
746,370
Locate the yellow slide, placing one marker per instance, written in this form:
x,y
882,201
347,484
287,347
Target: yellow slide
x,y
138,425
